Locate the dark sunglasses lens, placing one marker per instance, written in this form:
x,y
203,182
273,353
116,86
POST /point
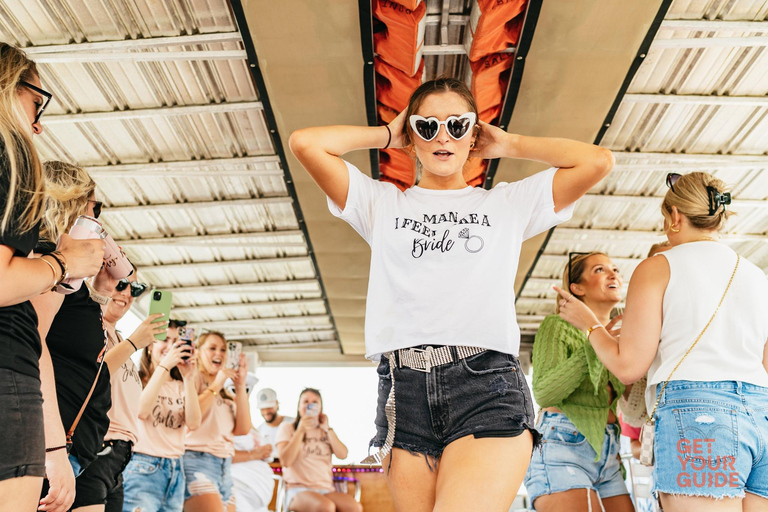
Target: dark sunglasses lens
x,y
457,128
137,289
122,285
672,180
97,209
427,129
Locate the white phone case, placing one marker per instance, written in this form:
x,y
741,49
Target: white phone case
x,y
234,349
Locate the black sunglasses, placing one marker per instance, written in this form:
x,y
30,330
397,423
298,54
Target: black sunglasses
x,y
44,93
178,323
136,288
672,179
570,260
96,208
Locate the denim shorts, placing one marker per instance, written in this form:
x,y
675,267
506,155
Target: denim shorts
x,y
21,402
712,439
208,474
567,461
153,484
291,493
484,395
101,483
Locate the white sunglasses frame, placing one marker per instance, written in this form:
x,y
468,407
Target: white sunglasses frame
x,y
469,115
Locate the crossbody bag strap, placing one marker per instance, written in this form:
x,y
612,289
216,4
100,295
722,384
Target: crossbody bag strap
x,y
658,398
71,430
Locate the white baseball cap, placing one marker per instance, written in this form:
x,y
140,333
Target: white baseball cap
x,y
250,382
267,398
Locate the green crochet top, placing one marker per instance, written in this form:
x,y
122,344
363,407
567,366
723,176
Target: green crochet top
x,y
568,375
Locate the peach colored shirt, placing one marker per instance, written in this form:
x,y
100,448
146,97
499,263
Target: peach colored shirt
x,y
215,434
126,393
163,433
312,467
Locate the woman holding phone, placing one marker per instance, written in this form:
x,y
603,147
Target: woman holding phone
x,y
210,448
32,448
168,408
305,447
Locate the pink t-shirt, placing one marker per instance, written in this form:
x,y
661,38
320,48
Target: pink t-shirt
x,y
628,430
162,434
215,435
313,467
126,393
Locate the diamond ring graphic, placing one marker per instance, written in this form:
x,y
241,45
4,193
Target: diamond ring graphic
x,y
474,243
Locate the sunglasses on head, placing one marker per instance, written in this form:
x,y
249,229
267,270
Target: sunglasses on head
x,y
456,126
96,208
716,198
136,288
45,94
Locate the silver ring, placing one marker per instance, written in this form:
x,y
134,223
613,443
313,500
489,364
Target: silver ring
x,y
569,298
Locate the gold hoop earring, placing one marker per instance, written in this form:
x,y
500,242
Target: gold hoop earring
x,y
672,229
472,145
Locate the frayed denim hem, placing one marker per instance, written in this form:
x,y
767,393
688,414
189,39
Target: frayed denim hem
x,y
699,493
431,457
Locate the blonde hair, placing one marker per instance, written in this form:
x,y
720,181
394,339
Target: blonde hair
x,y
26,185
199,344
659,247
67,191
691,198
578,265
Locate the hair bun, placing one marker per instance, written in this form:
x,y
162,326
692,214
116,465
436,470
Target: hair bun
x,y
717,198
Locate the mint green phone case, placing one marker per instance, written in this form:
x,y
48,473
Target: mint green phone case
x,y
160,302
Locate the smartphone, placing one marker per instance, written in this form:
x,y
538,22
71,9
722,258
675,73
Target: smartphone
x,y
161,303
234,349
186,335
312,410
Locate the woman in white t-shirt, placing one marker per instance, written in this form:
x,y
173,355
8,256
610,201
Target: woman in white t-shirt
x,y
440,310
696,322
168,408
306,447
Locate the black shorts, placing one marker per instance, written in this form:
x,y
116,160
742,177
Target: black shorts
x,y
22,451
102,481
485,395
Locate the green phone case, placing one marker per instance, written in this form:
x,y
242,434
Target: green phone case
x,y
160,302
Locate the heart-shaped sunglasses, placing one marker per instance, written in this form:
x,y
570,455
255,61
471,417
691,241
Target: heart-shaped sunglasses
x,y
456,126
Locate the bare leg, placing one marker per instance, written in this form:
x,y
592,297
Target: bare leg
x,y
344,502
406,469
204,503
755,503
20,494
672,503
621,503
482,474
575,500
89,508
309,501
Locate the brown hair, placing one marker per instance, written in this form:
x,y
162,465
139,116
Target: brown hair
x,y
578,265
298,409
199,344
145,368
692,200
67,191
26,185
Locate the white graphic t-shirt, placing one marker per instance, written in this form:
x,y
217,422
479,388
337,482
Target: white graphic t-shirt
x,y
443,262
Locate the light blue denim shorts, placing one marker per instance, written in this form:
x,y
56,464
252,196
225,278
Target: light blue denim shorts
x,y
293,491
208,474
567,461
711,439
153,484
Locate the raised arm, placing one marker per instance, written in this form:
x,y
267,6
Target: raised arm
x,y
629,357
319,150
581,165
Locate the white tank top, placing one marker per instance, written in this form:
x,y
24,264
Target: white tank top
x,y
732,347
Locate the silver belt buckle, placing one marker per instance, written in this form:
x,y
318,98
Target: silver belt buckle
x,y
426,354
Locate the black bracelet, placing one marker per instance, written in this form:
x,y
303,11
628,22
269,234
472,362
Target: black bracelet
x,y
389,139
132,343
49,450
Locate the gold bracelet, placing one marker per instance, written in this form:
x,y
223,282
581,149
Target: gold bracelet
x,y
212,391
55,281
596,326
